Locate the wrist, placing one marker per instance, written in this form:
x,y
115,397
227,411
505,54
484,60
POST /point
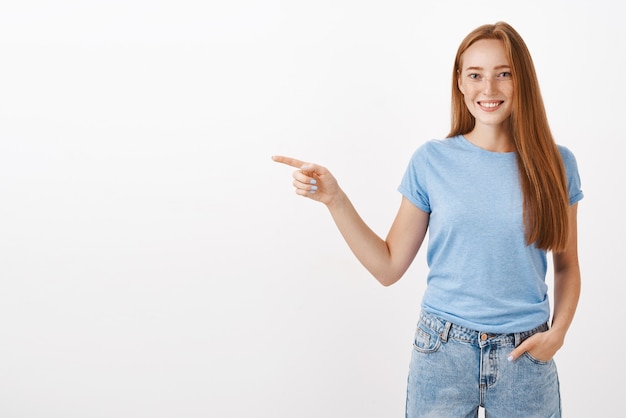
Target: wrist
x,y
337,201
557,335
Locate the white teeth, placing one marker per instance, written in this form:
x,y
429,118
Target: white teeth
x,y
489,104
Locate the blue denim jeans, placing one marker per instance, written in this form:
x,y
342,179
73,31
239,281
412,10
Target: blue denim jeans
x,y
454,370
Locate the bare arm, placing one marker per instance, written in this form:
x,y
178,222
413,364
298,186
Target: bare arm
x,y
543,346
566,281
387,260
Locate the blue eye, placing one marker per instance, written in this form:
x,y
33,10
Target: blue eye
x,y
473,76
505,74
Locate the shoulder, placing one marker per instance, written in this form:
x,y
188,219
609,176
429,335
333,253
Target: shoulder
x,y
435,146
565,152
569,160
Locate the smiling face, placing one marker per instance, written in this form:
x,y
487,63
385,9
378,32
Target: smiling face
x,y
486,83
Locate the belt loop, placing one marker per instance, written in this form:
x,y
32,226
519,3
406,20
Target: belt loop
x,y
518,338
446,331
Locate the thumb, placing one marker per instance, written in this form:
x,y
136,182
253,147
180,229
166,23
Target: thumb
x,y
311,169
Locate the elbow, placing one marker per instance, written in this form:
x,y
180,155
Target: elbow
x,y
388,275
388,280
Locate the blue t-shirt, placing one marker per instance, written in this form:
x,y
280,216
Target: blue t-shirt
x,y
482,274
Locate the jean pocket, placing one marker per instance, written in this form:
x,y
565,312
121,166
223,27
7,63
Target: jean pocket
x,y
426,340
536,361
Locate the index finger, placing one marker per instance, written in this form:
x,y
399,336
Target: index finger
x,y
289,161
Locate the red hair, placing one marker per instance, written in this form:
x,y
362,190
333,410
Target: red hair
x,y
540,166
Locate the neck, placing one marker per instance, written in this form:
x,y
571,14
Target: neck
x,y
494,140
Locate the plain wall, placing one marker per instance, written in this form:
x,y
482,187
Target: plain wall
x,y
154,262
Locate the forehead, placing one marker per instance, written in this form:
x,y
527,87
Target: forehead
x,y
486,53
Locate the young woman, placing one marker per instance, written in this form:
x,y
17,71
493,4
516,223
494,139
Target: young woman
x,y
496,196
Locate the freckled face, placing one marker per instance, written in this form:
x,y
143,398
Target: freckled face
x,y
486,83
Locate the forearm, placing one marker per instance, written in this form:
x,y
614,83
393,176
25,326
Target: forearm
x,y
566,294
544,345
369,248
387,259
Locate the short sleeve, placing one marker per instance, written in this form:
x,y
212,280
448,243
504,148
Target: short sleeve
x,y
414,184
573,177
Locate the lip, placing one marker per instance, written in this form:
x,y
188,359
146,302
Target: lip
x,y
490,105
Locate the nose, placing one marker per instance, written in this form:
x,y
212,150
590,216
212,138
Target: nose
x,y
490,85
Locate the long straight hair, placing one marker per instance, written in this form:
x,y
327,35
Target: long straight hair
x,y
540,166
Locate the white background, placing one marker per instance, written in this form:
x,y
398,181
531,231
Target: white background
x,y
154,262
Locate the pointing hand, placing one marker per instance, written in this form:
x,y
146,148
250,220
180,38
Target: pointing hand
x,y
312,180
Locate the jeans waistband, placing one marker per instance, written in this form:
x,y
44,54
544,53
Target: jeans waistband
x,y
447,329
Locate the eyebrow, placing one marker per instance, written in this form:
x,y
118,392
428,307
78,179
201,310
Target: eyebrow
x,y
499,67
